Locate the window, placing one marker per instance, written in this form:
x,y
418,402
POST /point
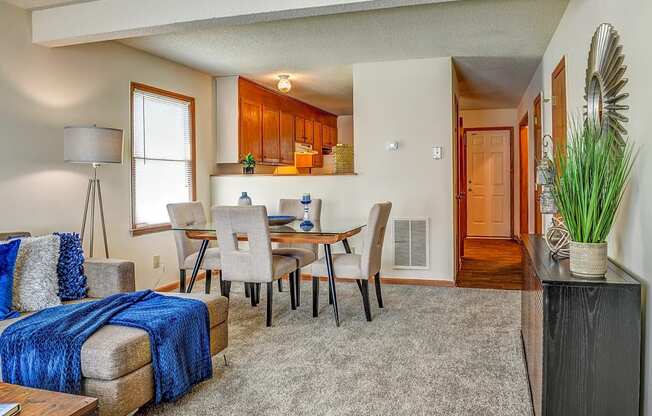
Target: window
x,y
162,155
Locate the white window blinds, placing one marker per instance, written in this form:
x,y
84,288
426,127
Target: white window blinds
x,y
161,164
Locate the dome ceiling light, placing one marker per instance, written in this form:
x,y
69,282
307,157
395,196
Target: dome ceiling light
x,y
284,85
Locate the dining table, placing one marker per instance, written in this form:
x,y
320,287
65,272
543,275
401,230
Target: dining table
x,y
324,232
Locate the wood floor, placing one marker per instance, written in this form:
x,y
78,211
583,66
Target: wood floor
x,y
491,264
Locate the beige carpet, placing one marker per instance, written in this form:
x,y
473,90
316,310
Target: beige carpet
x,y
431,351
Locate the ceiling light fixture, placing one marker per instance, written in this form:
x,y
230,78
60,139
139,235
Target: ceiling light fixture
x,y
284,85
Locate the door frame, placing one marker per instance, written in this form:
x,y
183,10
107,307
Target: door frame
x,y
462,182
538,154
561,67
524,123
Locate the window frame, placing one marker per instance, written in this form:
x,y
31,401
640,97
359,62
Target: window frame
x,y
155,228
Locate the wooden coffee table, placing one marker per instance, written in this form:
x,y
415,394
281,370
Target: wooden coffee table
x,y
35,402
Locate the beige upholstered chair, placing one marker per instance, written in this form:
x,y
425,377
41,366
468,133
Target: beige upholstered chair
x,y
305,254
361,266
189,213
256,264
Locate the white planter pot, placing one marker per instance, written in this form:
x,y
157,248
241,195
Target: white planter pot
x,y
588,260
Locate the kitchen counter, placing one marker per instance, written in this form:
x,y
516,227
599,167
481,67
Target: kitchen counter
x,y
281,176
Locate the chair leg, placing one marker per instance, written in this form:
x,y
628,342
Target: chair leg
x,y
227,289
315,296
359,283
257,293
270,292
297,286
207,288
280,285
379,294
365,299
330,294
247,290
293,289
182,281
252,293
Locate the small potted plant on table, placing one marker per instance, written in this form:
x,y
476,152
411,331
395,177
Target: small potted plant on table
x,y
248,164
593,173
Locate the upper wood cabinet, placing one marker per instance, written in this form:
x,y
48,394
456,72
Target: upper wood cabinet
x,y
287,137
310,133
319,144
251,122
300,129
271,135
253,119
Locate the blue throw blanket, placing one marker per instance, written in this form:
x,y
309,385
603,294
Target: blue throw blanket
x,y
44,350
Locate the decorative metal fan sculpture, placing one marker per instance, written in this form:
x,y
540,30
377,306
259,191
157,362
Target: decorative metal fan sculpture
x,y
605,82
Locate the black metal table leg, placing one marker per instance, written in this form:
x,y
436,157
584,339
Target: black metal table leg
x,y
315,296
200,259
331,281
347,247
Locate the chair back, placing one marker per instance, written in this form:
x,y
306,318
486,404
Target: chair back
x,y
294,207
372,249
254,264
181,215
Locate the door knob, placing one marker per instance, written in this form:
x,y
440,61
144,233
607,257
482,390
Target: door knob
x,y
470,190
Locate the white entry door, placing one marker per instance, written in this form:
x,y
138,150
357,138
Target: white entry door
x,y
488,190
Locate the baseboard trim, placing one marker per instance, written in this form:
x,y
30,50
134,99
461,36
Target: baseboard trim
x,y
173,286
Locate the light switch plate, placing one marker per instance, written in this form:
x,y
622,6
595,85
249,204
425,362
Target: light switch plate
x,y
436,152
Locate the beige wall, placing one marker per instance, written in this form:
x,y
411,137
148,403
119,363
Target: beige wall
x,y
42,91
416,114
630,241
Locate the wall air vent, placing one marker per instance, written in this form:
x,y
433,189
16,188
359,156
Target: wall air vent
x,y
411,243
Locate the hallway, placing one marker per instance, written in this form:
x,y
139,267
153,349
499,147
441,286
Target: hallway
x,y
491,264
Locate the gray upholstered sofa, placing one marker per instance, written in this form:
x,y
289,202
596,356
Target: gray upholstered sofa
x,y
116,360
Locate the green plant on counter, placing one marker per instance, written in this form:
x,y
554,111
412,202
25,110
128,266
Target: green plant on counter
x,y
593,175
249,161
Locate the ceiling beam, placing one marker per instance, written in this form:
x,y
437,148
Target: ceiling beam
x,y
102,20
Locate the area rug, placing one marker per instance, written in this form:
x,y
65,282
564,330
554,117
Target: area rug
x,y
430,351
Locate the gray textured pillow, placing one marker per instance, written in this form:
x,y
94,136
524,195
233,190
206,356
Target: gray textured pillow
x,y
35,276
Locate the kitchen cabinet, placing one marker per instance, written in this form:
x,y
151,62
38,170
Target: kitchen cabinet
x,y
287,138
263,122
318,146
251,121
271,135
310,133
300,129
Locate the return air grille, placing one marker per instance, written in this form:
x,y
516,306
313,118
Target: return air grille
x,y
411,243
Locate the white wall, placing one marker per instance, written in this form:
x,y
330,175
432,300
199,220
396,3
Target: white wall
x,y
629,242
42,90
418,115
345,129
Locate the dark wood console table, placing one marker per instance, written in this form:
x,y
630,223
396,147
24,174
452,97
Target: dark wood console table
x,y
582,338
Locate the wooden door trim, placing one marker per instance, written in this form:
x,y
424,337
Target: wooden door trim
x,y
524,123
560,67
511,167
538,154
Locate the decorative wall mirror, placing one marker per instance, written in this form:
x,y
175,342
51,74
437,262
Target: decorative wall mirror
x,y
605,82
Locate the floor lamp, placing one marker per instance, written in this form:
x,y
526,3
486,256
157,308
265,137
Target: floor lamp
x,y
96,146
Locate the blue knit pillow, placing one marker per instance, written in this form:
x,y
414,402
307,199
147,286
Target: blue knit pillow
x,y
8,254
70,269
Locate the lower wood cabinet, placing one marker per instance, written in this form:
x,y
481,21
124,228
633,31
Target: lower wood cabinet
x,y
582,338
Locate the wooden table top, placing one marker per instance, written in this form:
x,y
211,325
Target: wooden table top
x,y
35,402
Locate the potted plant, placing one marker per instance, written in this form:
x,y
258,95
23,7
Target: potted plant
x,y
248,164
593,173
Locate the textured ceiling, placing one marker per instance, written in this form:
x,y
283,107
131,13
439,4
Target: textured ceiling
x,y
42,4
321,50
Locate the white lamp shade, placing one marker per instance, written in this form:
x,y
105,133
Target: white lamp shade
x,y
92,145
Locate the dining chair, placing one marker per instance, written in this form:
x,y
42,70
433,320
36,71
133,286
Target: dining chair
x,y
184,214
305,254
361,266
256,264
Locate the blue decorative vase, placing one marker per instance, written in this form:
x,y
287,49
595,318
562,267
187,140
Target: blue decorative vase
x,y
244,200
306,224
